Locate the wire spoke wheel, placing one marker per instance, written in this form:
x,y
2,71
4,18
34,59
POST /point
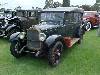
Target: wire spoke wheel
x,y
55,54
15,49
88,26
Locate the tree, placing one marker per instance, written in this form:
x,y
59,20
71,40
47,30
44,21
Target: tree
x,y
95,7
97,1
2,9
56,4
66,3
48,4
86,7
18,8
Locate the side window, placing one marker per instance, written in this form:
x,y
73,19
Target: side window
x,y
80,17
24,14
76,17
68,17
73,17
29,14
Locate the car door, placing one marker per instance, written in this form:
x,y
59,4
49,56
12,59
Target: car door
x,y
72,22
60,29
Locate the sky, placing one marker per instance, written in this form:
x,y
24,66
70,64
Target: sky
x,y
27,4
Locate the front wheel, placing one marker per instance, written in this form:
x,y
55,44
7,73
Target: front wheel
x,y
15,49
54,53
88,26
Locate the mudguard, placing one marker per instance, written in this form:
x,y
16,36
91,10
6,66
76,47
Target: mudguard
x,y
14,37
53,38
10,27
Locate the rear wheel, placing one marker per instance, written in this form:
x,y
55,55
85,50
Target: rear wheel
x,y
54,53
15,49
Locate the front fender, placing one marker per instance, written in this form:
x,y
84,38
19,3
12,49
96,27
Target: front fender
x,y
14,36
10,27
53,38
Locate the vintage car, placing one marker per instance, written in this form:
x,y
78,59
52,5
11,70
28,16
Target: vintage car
x,y
17,21
5,23
9,24
28,17
57,27
91,19
4,15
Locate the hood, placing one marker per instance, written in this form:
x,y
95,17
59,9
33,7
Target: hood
x,y
45,27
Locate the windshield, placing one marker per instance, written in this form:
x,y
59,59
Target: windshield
x,y
21,14
52,18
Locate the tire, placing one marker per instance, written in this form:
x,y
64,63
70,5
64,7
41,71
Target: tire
x,y
15,48
88,26
54,53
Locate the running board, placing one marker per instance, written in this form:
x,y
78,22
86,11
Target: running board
x,y
70,41
74,40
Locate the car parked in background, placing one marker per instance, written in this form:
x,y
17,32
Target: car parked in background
x,y
17,21
28,17
6,24
91,19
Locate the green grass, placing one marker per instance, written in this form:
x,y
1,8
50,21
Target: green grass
x,y
81,59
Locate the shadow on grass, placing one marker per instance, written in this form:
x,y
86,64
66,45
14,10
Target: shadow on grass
x,y
30,60
67,51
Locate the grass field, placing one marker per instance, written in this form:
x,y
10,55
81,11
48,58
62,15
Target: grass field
x,y
81,59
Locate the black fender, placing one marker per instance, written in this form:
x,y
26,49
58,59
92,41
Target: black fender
x,y
52,39
11,27
14,37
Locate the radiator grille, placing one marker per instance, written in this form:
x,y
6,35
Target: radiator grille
x,y
33,39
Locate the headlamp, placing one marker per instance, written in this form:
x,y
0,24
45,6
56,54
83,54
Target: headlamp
x,y
22,35
42,36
